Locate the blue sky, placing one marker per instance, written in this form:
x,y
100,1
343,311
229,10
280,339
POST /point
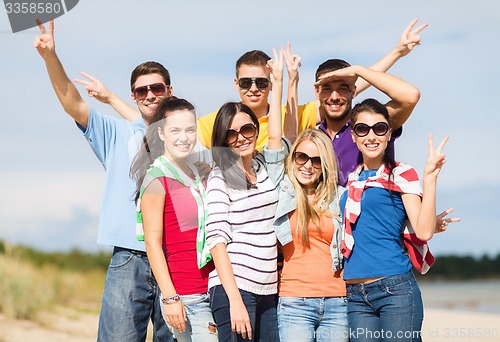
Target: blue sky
x,y
52,183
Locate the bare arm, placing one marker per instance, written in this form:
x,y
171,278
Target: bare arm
x,y
152,207
408,40
292,101
274,128
66,92
404,96
240,321
422,214
97,90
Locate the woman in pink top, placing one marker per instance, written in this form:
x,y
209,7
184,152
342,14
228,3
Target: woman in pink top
x,y
171,211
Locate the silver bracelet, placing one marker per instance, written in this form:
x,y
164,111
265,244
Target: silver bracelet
x,y
171,300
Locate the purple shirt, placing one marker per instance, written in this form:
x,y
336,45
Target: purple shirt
x,y
348,155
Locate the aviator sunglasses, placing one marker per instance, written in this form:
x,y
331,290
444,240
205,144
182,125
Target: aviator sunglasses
x,y
247,131
362,129
301,158
158,89
260,82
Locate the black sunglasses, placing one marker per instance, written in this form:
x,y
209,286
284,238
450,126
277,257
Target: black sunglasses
x,y
158,89
362,129
247,131
301,158
260,82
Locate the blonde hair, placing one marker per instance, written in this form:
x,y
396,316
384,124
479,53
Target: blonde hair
x,y
326,188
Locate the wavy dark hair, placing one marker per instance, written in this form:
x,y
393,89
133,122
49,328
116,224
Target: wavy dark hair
x,y
152,146
223,155
375,107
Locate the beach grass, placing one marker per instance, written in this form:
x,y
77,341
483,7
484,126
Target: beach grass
x,y
29,289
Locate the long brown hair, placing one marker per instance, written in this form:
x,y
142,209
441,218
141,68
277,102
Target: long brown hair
x,y
152,146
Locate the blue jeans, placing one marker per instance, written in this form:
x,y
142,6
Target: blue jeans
x,y
313,319
130,299
261,310
200,326
389,309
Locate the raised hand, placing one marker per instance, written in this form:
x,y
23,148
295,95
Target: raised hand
x,y
292,64
95,88
44,43
436,159
275,65
410,38
348,74
442,222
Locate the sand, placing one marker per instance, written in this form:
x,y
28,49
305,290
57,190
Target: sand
x,y
439,326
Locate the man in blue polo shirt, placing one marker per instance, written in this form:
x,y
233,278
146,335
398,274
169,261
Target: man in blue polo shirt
x,y
131,296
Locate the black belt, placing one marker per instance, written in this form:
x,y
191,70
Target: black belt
x,y
133,251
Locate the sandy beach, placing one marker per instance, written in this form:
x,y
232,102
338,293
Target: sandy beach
x,y
439,326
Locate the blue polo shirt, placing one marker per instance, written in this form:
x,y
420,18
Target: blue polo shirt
x,y
115,142
348,155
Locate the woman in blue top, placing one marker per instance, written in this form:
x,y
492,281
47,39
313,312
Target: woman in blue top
x,y
384,301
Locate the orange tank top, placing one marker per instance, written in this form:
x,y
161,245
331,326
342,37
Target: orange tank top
x,y
307,272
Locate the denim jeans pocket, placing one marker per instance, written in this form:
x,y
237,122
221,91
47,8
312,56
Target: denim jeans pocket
x,y
290,302
399,289
195,299
121,259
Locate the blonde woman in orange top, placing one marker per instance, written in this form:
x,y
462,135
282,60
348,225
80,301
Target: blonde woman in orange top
x,y
312,295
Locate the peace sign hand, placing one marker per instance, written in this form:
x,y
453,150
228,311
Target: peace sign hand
x,y
409,39
44,43
436,159
442,222
275,65
95,88
292,63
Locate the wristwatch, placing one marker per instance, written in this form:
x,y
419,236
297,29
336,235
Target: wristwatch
x,y
171,300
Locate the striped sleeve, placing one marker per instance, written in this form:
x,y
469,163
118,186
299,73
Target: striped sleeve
x,y
218,228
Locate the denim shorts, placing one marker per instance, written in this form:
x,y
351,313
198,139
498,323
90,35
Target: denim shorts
x,y
200,325
313,319
130,299
387,309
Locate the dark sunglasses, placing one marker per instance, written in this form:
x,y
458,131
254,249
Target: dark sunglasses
x,y
362,129
247,131
260,82
158,89
301,158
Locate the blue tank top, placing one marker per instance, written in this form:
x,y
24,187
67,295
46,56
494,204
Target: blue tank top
x,y
377,250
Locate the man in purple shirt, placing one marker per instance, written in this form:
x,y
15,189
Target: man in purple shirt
x,y
335,89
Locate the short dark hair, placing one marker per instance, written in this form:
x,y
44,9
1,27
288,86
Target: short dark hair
x,y
223,155
254,58
330,65
148,68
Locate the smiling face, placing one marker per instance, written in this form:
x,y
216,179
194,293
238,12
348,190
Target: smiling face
x,y
255,98
371,146
242,146
178,134
335,100
147,105
307,175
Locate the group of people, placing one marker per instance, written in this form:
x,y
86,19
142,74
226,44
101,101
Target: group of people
x,y
260,221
